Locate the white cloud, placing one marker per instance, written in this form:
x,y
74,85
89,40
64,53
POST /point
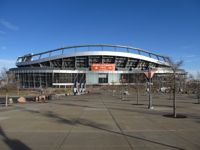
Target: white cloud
x,y
8,25
6,63
193,59
190,56
187,47
193,72
3,47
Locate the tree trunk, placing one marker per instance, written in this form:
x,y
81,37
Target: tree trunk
x,y
6,99
137,95
137,89
174,97
198,93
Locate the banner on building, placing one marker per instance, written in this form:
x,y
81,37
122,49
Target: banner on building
x,y
103,67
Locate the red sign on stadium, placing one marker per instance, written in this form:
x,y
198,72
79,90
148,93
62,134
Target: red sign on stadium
x,y
101,67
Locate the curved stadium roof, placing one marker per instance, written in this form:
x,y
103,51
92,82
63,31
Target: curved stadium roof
x,y
93,50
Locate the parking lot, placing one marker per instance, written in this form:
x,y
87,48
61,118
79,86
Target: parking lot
x,y
99,120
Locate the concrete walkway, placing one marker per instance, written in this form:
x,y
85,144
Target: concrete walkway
x,y
101,122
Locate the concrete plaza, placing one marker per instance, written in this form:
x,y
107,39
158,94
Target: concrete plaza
x,y
101,121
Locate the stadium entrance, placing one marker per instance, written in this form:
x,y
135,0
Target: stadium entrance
x,y
103,78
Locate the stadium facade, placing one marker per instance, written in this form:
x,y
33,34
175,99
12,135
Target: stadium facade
x,y
99,64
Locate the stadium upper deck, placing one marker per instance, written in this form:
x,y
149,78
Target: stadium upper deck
x,y
84,56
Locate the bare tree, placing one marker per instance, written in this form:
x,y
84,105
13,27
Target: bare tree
x,y
175,66
3,75
6,81
190,77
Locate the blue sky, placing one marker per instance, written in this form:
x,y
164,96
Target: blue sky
x,y
168,27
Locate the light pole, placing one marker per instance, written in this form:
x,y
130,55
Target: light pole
x,y
149,74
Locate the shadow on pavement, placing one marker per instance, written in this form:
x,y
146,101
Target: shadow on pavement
x,y
13,144
92,124
75,105
75,121
178,116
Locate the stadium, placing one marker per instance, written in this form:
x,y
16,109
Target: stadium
x,y
99,64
